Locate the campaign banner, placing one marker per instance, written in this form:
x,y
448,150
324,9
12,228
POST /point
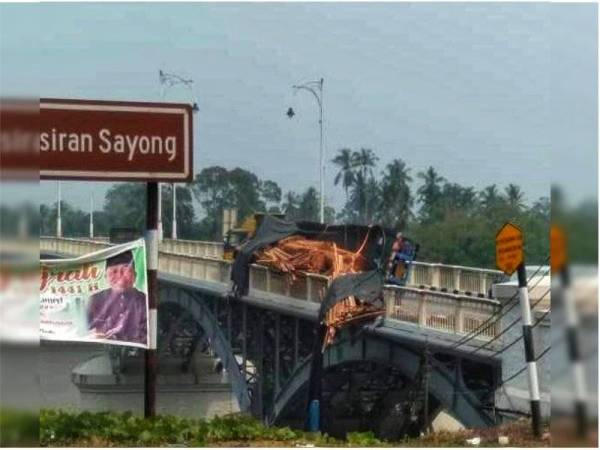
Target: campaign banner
x,y
100,297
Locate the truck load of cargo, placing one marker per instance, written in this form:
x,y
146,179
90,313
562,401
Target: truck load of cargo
x,y
354,257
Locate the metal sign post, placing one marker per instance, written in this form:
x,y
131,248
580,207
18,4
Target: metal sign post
x,y
151,360
534,389
509,256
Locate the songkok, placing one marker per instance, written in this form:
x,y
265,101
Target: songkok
x,y
123,258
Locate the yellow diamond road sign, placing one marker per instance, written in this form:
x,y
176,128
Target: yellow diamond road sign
x,y
509,248
558,248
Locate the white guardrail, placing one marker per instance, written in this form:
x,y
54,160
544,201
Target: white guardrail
x,y
454,313
455,279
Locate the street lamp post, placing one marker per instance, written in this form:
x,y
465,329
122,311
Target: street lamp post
x,y
170,80
316,89
91,215
58,212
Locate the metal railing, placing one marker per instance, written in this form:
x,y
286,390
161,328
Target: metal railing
x,y
452,313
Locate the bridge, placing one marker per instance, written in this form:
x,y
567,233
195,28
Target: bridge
x,y
420,355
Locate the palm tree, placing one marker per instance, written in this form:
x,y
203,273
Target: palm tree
x,y
514,195
363,161
397,199
490,196
430,191
344,161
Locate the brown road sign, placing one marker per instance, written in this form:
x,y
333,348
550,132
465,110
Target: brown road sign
x,y
509,248
558,248
105,140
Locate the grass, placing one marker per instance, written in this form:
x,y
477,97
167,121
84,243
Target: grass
x,y
18,428
109,429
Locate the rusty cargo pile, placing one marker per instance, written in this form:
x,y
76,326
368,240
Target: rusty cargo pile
x,y
295,255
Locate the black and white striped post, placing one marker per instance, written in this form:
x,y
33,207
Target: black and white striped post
x,y
560,268
572,321
151,360
534,388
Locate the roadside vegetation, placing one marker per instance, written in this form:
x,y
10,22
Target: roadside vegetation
x,y
109,429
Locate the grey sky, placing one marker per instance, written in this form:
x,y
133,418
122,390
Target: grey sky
x,y
486,93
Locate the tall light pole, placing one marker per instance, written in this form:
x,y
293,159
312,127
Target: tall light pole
x,y
170,80
316,89
91,215
58,212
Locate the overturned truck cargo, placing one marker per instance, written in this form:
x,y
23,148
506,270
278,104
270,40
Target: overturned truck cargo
x,y
351,256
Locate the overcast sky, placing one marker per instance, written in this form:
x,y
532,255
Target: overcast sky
x,y
486,93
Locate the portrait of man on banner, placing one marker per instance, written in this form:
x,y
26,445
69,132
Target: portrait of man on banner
x,y
119,312
99,297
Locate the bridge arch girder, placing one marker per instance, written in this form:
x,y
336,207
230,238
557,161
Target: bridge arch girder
x,y
194,304
455,397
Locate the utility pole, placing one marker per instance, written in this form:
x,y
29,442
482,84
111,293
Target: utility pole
x,y
58,212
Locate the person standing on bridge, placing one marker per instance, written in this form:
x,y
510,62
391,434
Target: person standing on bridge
x,y
399,258
119,312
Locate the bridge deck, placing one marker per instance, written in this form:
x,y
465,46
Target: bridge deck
x,y
411,313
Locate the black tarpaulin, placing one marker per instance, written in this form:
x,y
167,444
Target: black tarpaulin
x,y
365,286
349,237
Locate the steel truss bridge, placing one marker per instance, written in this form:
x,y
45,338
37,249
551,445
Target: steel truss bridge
x,y
391,376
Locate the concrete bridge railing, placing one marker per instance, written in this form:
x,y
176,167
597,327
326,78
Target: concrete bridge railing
x,y
452,313
179,246
70,246
442,311
455,279
446,278
194,248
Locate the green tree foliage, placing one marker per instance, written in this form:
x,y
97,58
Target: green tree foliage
x,y
75,222
396,197
291,205
454,224
217,188
271,193
186,225
429,194
309,205
344,161
125,205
